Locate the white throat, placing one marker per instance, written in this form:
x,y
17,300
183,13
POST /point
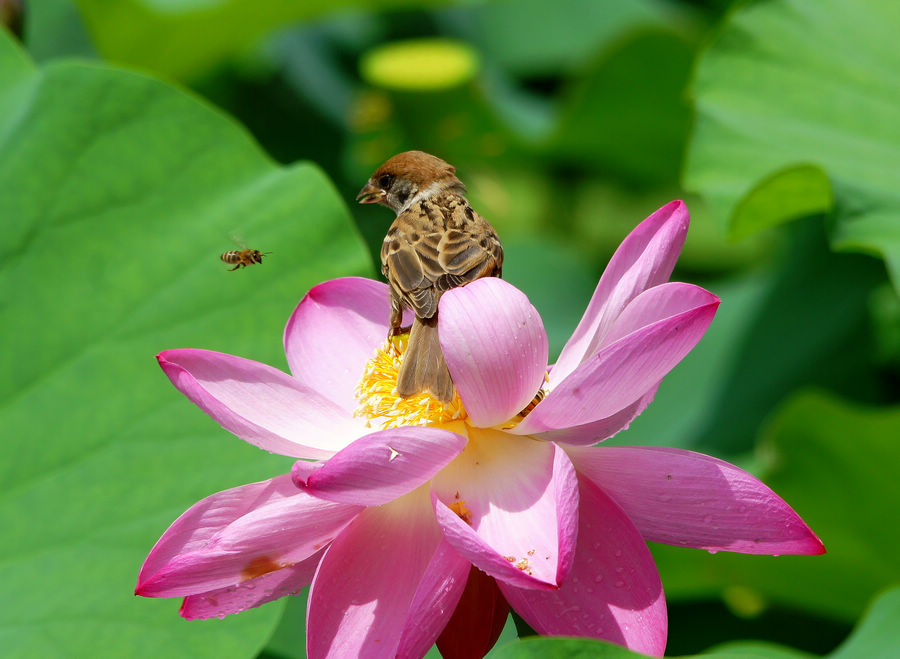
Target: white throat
x,y
422,195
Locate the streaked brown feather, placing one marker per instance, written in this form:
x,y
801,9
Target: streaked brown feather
x,y
444,257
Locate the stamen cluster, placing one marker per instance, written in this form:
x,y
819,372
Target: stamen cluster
x,y
383,408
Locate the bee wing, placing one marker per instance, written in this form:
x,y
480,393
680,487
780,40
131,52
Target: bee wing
x,y
238,239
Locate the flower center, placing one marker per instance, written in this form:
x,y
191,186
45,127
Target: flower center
x,y
379,403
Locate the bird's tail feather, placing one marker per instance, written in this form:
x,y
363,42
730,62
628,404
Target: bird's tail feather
x,y
424,367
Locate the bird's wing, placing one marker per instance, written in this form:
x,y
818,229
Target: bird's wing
x,y
411,266
469,251
422,260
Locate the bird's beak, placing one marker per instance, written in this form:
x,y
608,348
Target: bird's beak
x,y
370,194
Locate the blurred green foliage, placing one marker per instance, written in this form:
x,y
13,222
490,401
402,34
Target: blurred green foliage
x,y
571,121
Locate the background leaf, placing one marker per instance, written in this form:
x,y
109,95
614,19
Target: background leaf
x,y
786,195
54,29
559,648
789,83
564,44
635,131
188,38
119,193
876,636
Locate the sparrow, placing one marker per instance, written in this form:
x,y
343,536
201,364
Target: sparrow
x,y
437,242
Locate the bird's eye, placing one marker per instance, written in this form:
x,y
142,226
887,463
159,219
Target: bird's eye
x,y
385,180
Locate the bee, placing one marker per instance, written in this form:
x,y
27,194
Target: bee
x,y
242,258
534,403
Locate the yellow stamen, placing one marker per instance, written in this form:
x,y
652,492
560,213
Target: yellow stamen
x,y
524,566
379,403
462,511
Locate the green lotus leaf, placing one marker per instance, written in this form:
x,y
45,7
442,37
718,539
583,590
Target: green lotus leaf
x,y
810,91
118,193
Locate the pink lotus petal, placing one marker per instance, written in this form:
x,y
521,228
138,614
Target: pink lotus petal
x,y
621,373
361,596
333,333
382,466
596,431
688,499
644,259
470,545
516,508
496,348
435,600
252,593
656,304
194,528
613,592
303,469
260,404
282,526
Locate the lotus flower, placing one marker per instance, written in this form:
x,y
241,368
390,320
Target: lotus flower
x,y
416,521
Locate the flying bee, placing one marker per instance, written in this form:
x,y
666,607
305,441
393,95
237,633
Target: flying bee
x,y
243,257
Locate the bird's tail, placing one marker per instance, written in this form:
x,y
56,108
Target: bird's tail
x,y
424,367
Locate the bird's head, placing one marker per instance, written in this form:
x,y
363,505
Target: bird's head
x,y
409,177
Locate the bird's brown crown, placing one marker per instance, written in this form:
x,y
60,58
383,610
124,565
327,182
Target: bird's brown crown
x,y
418,167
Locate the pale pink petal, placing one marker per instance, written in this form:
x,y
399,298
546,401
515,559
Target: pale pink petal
x,y
280,527
361,596
303,469
613,592
382,466
194,528
655,304
644,259
496,348
334,332
260,404
692,500
252,593
509,505
474,548
434,602
596,431
621,373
